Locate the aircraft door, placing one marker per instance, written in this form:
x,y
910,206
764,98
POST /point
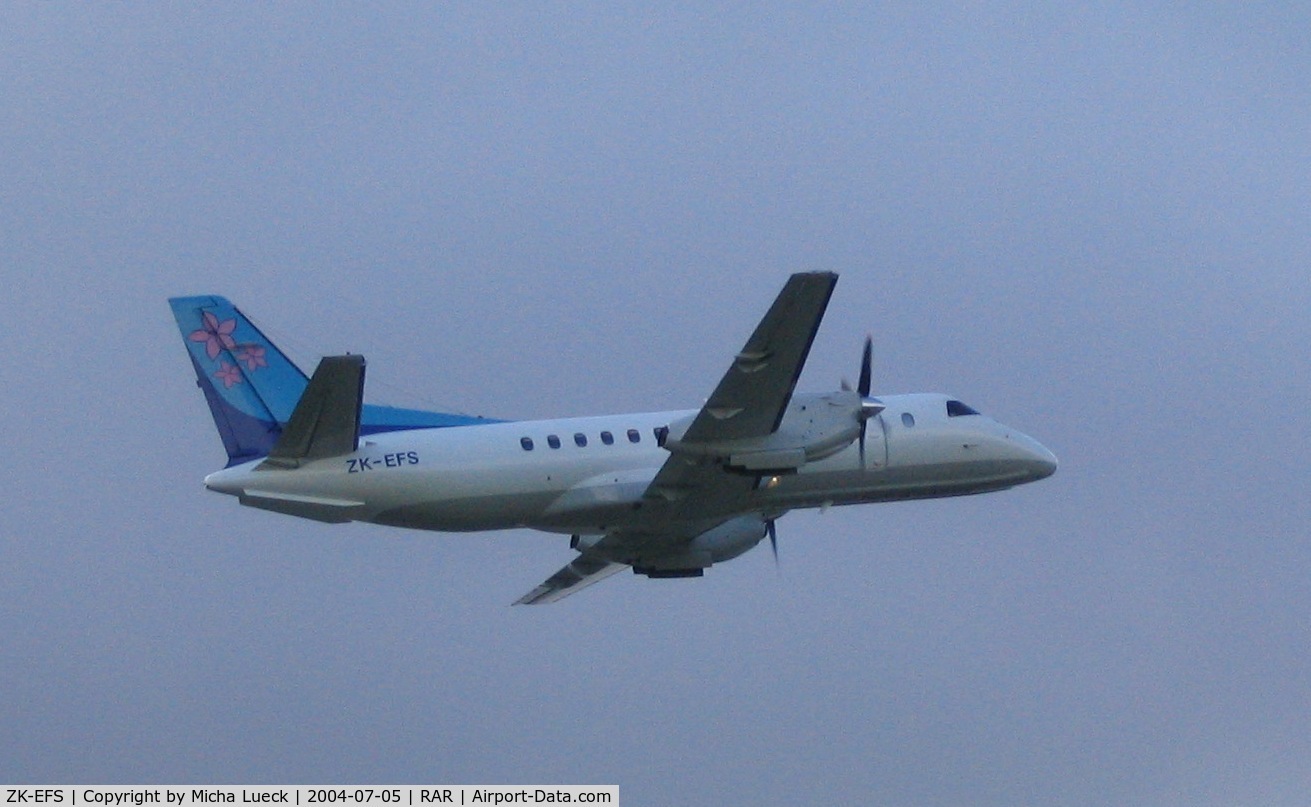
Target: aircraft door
x,y
876,443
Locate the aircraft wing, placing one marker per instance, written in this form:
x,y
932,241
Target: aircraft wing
x,y
693,492
613,553
583,571
750,400
753,395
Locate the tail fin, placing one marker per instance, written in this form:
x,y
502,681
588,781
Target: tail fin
x,y
251,386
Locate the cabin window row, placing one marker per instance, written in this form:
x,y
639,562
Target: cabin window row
x,y
580,439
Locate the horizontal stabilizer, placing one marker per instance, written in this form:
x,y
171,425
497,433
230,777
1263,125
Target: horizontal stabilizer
x,y
326,421
317,508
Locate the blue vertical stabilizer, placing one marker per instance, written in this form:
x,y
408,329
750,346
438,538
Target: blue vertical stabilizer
x,y
251,387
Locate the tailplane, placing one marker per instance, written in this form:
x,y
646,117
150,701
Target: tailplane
x,y
326,422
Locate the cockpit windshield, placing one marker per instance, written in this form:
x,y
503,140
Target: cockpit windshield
x,y
956,409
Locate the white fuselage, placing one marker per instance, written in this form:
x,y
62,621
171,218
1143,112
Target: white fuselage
x,y
585,475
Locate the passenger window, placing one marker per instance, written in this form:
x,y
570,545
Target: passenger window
x,y
661,433
552,441
607,438
634,436
908,419
580,440
527,443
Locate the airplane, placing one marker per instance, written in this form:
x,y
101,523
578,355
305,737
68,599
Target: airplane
x,y
667,494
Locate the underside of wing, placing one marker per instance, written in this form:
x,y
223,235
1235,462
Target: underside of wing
x,y
580,573
685,550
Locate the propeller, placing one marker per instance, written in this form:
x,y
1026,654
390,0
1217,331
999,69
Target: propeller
x,y
869,407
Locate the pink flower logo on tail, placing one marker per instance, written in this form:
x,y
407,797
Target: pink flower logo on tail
x,y
216,335
229,374
252,356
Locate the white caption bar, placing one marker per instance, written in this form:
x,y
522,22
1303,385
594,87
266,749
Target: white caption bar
x,y
300,795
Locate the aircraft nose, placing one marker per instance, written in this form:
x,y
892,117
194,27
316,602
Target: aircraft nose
x,y
1039,459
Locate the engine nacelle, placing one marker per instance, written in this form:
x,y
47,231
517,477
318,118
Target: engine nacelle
x,y
813,427
722,543
582,543
729,539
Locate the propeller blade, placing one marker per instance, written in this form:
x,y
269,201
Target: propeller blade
x,y
866,370
869,407
773,539
863,388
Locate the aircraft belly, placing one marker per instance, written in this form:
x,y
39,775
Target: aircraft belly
x,y
466,514
488,498
559,496
893,484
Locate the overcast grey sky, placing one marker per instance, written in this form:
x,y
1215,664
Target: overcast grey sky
x,y
1091,223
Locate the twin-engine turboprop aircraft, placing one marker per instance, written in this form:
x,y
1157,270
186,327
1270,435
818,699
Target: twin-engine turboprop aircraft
x,y
667,493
